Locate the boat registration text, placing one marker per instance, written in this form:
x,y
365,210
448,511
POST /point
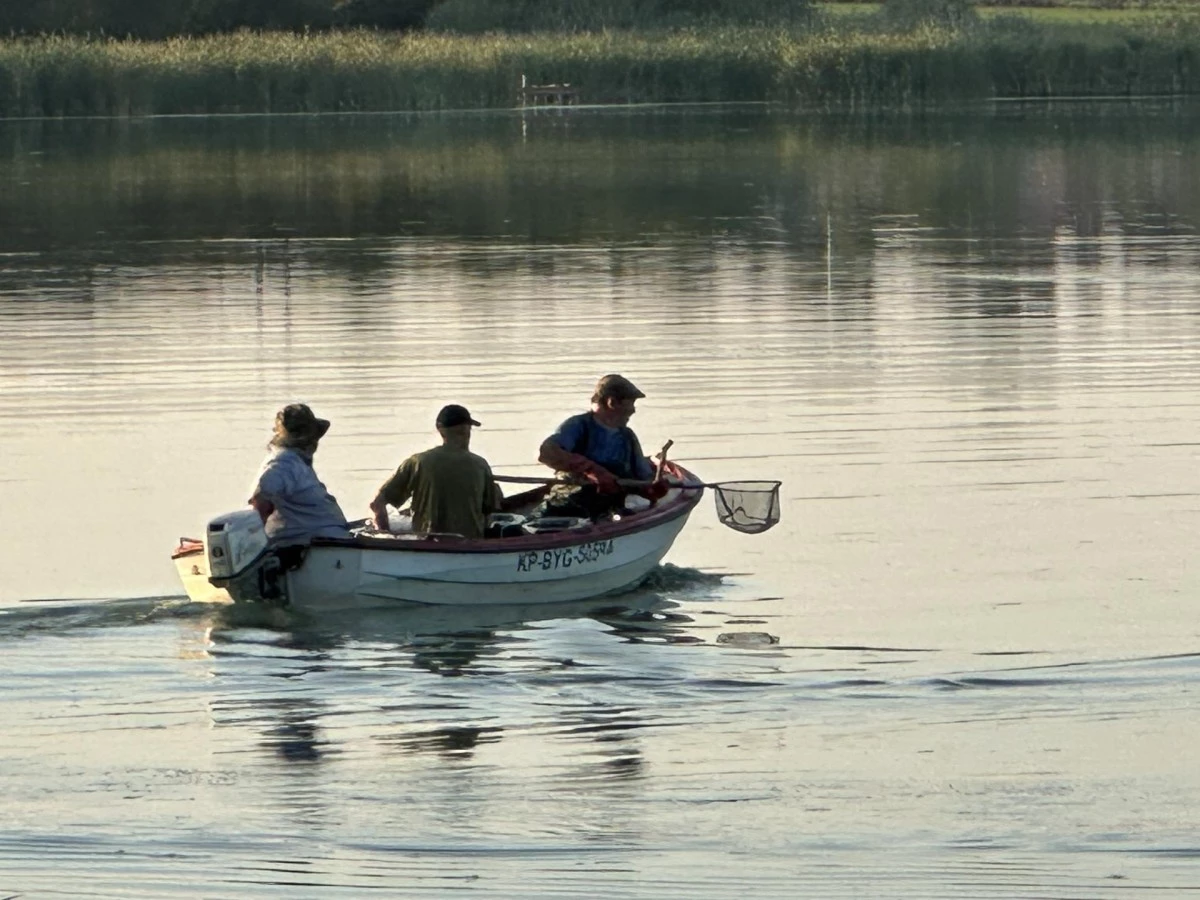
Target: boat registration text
x,y
564,558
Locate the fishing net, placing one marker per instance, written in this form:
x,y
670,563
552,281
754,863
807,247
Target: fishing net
x,y
750,507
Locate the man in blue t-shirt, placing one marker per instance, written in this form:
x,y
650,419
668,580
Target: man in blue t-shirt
x,y
597,449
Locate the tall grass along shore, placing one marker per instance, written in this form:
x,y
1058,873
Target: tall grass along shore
x,y
248,72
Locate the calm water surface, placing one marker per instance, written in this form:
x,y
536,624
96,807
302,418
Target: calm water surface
x,y
965,664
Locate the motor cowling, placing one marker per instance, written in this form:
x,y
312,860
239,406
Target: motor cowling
x,y
235,542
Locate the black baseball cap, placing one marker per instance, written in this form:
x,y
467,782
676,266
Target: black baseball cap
x,y
452,415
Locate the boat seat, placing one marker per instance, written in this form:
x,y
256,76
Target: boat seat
x,y
502,525
551,524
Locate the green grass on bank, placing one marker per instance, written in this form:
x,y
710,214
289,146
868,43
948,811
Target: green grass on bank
x,y
339,71
1061,14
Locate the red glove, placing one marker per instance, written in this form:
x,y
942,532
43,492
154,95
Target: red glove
x,y
604,480
656,490
593,473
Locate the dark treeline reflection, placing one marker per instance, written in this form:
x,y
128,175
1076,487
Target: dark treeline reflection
x,y
593,177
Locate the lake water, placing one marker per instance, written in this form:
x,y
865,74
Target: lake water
x,y
965,664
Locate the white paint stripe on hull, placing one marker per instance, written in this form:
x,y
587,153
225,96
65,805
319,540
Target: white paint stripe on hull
x,y
444,593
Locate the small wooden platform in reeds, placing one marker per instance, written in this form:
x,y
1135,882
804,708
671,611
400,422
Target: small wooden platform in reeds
x,y
547,94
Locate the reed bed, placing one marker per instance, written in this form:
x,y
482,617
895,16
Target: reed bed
x,y
360,70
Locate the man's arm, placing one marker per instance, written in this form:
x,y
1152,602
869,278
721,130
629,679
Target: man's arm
x,y
395,491
379,513
553,455
273,481
559,450
643,467
493,497
263,506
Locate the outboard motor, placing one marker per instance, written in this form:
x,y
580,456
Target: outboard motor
x,y
236,542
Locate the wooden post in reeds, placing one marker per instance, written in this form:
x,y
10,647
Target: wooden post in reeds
x,y
547,94
828,255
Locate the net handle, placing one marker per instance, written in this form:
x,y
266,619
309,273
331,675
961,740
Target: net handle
x,y
630,482
719,488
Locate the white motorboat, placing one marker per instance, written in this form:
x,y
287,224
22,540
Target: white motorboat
x,y
538,561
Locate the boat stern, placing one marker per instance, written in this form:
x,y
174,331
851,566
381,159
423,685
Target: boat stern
x,y
191,563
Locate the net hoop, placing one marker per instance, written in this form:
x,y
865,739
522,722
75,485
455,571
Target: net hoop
x,y
750,507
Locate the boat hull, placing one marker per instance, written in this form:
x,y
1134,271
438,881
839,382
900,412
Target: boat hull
x,y
335,576
368,571
191,564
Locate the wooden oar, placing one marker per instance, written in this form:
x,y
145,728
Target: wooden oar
x,y
662,461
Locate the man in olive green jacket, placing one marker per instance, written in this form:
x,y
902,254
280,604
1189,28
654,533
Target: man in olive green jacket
x,y
451,488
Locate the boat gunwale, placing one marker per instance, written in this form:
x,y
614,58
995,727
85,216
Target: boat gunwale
x,y
690,495
187,547
690,492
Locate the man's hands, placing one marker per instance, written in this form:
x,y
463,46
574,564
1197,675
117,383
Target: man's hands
x,y
379,514
604,480
656,490
264,507
593,473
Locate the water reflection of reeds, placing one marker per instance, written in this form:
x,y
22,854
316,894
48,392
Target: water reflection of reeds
x,y
745,175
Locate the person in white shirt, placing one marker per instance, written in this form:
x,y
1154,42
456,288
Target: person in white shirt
x,y
294,504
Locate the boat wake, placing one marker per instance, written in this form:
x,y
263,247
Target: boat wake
x,y
35,617
668,578
665,584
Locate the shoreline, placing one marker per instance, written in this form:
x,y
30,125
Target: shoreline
x,y
592,108
371,72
